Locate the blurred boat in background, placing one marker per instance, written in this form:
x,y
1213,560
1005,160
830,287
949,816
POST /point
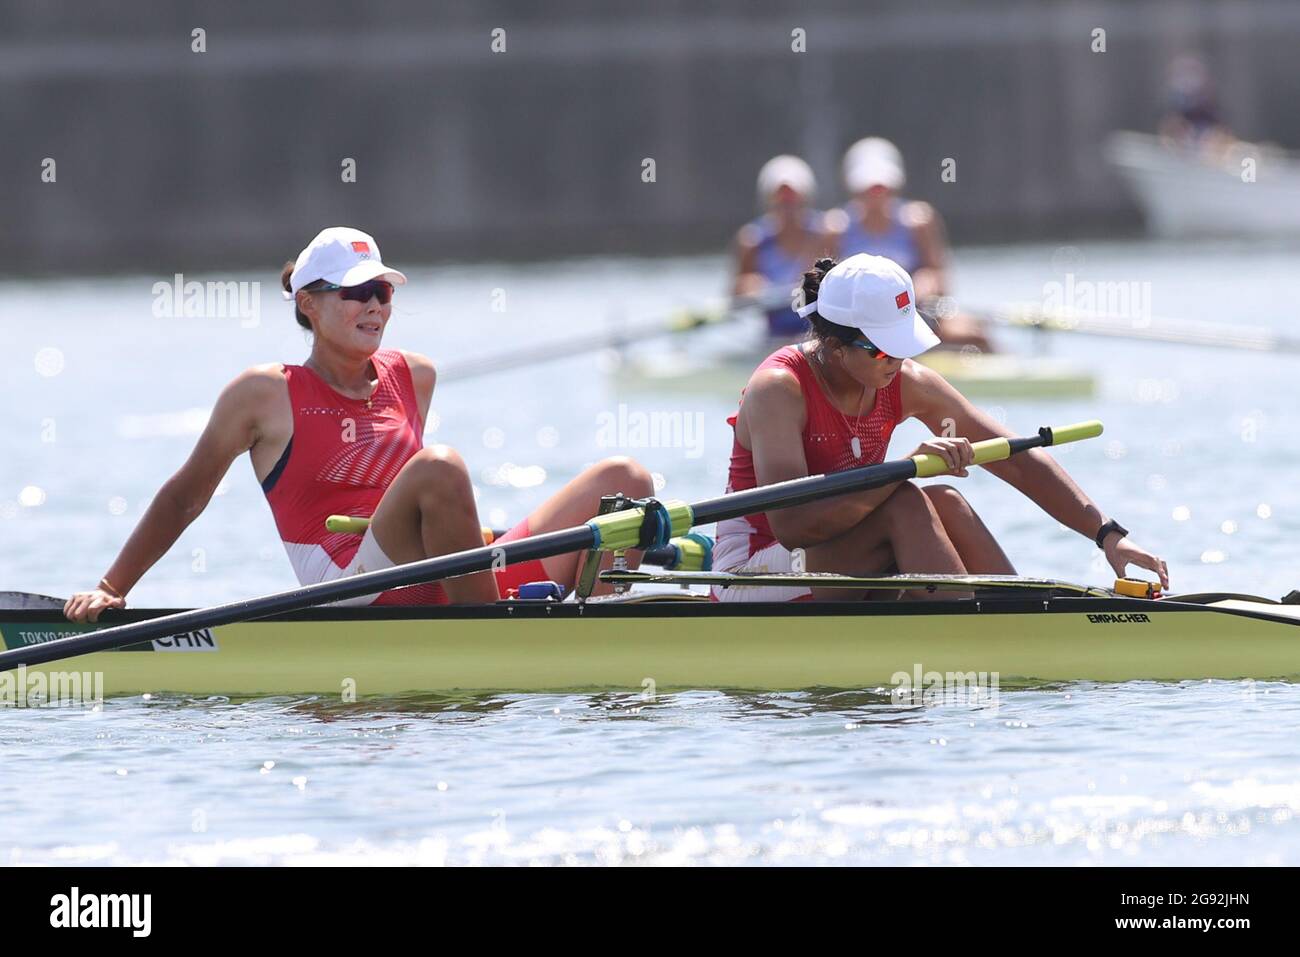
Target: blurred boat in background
x,y
1243,189
976,375
695,368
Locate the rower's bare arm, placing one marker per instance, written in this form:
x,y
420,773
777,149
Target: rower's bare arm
x,y
945,411
749,281
931,277
834,225
930,397
424,377
772,416
232,429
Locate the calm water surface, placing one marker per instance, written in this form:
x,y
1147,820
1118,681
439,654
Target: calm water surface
x,y
103,399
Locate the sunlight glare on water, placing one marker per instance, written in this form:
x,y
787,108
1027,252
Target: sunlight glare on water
x,y
1198,460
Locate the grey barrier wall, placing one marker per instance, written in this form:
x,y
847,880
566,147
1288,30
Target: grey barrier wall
x,y
523,130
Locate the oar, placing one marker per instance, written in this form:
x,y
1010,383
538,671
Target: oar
x,y
23,601
1192,332
689,553
687,320
1187,332
643,526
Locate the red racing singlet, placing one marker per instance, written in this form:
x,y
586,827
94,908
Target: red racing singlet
x,y
828,436
343,455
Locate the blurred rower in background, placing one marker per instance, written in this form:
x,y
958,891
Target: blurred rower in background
x,y
774,251
878,221
1191,117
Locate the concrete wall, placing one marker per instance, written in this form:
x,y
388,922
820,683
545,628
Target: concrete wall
x,y
169,159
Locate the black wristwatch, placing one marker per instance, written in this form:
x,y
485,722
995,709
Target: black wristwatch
x,y
1110,525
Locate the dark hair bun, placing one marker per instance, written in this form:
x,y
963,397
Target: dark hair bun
x,y
812,279
822,328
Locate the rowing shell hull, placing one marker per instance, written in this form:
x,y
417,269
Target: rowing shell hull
x,y
667,645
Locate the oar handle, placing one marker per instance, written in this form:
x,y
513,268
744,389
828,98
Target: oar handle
x,y
357,525
347,524
1060,434
995,450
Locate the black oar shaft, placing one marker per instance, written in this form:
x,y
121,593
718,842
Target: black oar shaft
x,y
801,491
444,566
617,338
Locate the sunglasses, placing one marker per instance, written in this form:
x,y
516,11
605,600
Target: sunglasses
x,y
379,288
867,346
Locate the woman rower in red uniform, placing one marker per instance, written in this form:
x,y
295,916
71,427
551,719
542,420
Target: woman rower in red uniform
x,y
831,403
342,434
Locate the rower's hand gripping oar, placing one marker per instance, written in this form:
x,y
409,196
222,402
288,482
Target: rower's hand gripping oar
x,y
641,525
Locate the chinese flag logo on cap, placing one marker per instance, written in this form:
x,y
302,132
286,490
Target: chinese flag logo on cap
x,y
901,300
361,247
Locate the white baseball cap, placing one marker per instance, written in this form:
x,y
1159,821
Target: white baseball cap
x,y
875,296
786,170
343,256
873,162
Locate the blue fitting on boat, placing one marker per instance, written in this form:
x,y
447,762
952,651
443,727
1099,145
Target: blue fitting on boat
x,y
706,543
541,591
657,526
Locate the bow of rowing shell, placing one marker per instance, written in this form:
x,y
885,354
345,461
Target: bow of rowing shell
x,y
675,641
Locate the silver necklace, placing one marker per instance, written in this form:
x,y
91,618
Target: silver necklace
x,y
850,427
373,386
